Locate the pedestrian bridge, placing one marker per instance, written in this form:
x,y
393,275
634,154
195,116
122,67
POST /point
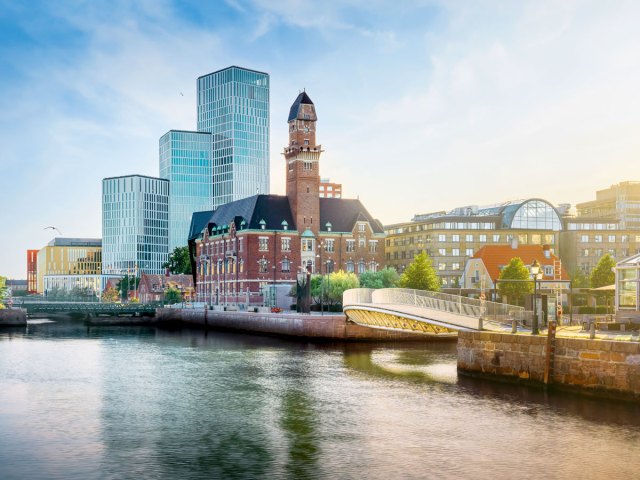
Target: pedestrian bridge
x,y
430,313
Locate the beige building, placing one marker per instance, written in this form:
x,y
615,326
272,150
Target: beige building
x,y
620,201
70,262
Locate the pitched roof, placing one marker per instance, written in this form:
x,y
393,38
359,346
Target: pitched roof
x,y
163,281
303,98
496,256
343,213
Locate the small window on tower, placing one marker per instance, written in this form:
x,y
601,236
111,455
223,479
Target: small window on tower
x,y
306,141
307,189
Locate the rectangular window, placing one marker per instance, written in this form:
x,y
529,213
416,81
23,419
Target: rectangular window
x,y
455,252
597,238
442,266
442,237
469,252
455,237
455,266
483,238
285,244
585,252
469,237
351,245
584,238
263,244
442,251
307,245
496,238
286,266
624,238
373,246
329,245
612,239
361,227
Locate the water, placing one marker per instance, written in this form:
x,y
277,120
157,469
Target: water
x,y
117,403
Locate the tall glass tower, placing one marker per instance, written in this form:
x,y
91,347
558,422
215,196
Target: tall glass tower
x,y
233,105
135,224
185,160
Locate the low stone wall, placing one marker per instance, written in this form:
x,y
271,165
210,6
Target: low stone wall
x,y
334,327
596,367
13,317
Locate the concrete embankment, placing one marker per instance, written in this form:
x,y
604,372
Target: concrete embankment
x,y
326,327
596,367
13,317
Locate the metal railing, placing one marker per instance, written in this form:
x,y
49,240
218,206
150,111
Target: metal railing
x,y
469,307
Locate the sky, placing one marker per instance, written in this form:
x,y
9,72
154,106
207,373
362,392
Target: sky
x,y
422,105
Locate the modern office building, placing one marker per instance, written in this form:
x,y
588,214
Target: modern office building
x,y
233,105
32,271
135,224
65,263
451,238
185,160
620,201
328,189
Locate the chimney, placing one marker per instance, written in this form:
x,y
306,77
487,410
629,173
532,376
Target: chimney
x,y
546,250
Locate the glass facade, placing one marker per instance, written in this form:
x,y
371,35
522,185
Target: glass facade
x,y
532,214
233,105
135,224
185,160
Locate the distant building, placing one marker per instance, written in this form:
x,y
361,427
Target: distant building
x,y
16,286
451,238
233,105
152,288
185,160
329,189
620,201
66,263
627,288
135,224
32,271
244,247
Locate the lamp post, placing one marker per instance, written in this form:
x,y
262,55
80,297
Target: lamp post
x,y
273,299
320,248
535,275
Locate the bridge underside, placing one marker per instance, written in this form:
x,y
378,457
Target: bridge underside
x,y
388,321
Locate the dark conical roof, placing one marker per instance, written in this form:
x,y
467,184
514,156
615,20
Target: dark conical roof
x,y
303,98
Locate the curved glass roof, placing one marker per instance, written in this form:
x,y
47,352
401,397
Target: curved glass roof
x,y
534,214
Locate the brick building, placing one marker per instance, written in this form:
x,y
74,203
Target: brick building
x,y
244,246
153,287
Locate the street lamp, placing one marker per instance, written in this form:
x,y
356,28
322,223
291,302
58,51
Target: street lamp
x,y
320,248
536,275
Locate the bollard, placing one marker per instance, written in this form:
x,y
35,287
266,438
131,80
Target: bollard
x,y
514,326
480,324
592,330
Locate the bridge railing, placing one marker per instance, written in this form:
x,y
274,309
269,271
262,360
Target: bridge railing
x,y
444,302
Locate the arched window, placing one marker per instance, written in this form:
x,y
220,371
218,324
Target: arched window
x,y
361,266
262,265
286,265
350,266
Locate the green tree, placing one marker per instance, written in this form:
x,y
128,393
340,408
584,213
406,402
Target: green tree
x,y
516,290
172,295
579,279
603,275
385,278
337,283
127,284
179,261
3,291
110,295
420,274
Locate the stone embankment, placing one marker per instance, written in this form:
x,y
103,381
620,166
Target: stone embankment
x,y
13,317
596,367
326,327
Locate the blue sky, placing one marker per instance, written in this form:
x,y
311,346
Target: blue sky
x,y
423,105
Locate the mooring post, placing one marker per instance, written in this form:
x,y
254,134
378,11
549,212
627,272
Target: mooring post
x,y
550,353
514,326
480,327
592,330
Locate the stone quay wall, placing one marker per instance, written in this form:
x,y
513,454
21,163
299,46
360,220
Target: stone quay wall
x,y
597,367
13,317
333,327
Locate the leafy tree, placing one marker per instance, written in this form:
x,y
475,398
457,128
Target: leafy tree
x,y
579,279
385,278
337,283
126,285
420,274
3,291
179,261
515,291
110,295
172,295
603,275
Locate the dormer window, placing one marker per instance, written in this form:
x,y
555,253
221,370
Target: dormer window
x,y
263,224
329,226
361,227
285,225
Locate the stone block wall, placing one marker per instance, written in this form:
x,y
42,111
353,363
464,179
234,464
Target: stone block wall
x,y
598,367
13,317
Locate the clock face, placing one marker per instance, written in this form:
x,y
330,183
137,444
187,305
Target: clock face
x,y
306,129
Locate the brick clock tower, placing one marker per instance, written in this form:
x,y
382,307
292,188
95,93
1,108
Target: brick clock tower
x,y
302,157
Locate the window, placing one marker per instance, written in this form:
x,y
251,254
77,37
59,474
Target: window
x,y
285,244
350,266
483,238
585,252
361,242
442,266
548,270
307,245
597,238
455,252
624,238
442,237
455,266
361,227
306,141
351,245
329,245
373,266
263,244
329,266
442,251
612,252
455,237
286,265
468,237
584,238
612,239
496,238
373,246
262,265
599,252
469,252
361,266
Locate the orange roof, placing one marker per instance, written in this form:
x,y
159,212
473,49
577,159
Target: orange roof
x,y
496,256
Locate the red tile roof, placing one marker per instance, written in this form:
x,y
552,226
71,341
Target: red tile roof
x,y
496,256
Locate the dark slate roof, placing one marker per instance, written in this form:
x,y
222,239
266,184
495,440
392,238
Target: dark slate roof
x,y
273,209
302,98
343,213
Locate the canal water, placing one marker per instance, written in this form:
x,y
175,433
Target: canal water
x,y
82,402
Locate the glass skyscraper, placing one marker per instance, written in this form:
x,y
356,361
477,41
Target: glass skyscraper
x,y
233,105
135,224
185,160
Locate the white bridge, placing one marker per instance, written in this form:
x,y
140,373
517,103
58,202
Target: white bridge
x,y
430,313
